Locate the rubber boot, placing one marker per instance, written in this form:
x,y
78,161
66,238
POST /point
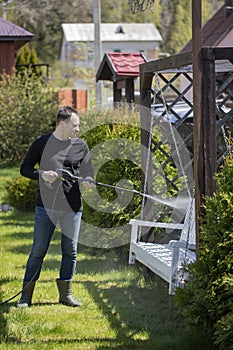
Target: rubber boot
x,y
26,297
65,294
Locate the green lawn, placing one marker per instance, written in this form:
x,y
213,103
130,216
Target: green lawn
x,y
121,309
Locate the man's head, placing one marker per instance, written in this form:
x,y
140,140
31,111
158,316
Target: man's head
x,y
67,121
64,113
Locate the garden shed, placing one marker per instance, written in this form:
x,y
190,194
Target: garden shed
x,y
12,38
122,68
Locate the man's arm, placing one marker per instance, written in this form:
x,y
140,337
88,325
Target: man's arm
x,y
86,169
32,158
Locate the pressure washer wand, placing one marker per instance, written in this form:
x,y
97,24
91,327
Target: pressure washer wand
x,y
66,175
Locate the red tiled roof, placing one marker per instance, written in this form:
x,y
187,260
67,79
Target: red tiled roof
x,y
10,31
118,65
214,30
126,63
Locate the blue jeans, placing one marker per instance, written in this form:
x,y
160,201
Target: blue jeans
x,y
45,223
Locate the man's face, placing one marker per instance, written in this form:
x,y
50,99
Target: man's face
x,y
71,127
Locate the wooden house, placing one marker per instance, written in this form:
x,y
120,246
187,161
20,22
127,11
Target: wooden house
x,y
12,37
217,32
77,45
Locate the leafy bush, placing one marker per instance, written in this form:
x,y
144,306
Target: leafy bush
x,y
27,109
207,301
22,193
101,130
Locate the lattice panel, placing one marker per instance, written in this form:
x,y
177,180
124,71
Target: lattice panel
x,y
172,107
224,112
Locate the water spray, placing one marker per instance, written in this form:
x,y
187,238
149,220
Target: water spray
x,y
180,203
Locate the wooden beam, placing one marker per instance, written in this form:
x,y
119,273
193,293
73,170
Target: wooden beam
x,y
208,122
120,84
205,155
197,111
117,93
145,107
129,90
175,61
145,120
221,53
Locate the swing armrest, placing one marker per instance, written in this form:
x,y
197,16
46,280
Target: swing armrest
x,y
181,244
135,222
177,244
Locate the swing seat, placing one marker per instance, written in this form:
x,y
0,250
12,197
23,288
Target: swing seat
x,y
166,260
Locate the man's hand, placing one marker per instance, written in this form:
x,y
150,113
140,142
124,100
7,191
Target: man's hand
x,y
49,176
87,184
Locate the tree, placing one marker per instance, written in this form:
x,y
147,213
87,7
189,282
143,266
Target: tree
x,y
44,18
180,27
27,56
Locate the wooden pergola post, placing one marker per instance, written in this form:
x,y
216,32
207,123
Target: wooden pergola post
x,y
145,105
204,121
204,115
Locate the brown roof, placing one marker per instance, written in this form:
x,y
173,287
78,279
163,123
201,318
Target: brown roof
x,y
11,32
120,65
214,30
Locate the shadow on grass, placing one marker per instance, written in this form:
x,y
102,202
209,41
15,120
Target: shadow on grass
x,y
100,262
22,249
96,260
95,265
144,318
17,216
54,248
142,313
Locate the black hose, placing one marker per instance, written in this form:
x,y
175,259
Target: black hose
x,y
21,291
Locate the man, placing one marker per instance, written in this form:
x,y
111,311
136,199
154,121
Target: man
x,y
58,200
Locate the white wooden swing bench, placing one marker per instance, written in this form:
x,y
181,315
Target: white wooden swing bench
x,y
166,260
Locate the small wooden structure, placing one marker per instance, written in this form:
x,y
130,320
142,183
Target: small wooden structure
x,y
121,68
205,137
205,123
12,37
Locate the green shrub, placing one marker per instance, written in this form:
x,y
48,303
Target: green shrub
x,y
22,193
207,301
27,110
100,130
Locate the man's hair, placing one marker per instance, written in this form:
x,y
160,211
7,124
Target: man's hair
x,y
64,113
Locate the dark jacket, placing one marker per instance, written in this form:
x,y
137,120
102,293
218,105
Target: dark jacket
x,y
49,153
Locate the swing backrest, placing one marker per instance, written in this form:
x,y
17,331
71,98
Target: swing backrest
x,y
188,233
